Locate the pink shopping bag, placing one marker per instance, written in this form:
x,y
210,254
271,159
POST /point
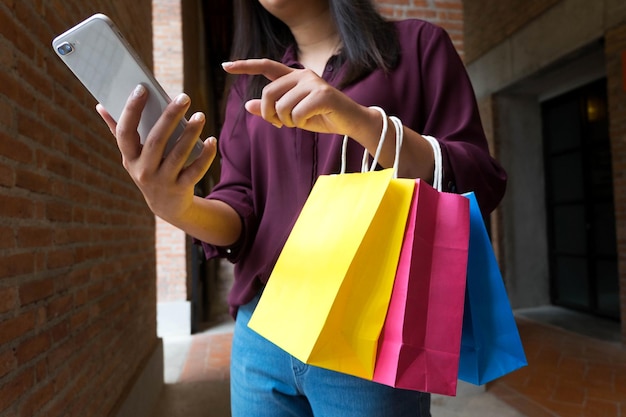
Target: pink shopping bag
x,y
420,342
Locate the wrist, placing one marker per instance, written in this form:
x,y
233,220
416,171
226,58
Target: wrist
x,y
177,214
367,128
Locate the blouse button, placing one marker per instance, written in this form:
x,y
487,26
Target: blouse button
x,y
329,68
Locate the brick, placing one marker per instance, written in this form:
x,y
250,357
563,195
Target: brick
x,y
59,306
13,148
32,236
6,112
79,318
55,163
7,176
15,327
8,362
58,211
79,153
37,400
58,356
32,181
41,369
31,127
8,28
85,254
60,258
16,265
449,5
38,80
7,237
25,44
8,299
25,99
12,390
60,331
34,291
14,206
32,347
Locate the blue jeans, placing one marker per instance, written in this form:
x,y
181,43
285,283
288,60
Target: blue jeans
x,y
268,382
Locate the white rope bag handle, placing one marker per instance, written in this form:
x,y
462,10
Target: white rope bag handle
x,y
399,138
438,174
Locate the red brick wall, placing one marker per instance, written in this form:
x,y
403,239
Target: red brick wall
x,y
445,13
615,48
168,68
171,262
168,44
77,259
489,22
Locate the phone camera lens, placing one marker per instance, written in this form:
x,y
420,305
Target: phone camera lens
x,y
65,48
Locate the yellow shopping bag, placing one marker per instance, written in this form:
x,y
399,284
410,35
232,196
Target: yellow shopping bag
x,y
327,297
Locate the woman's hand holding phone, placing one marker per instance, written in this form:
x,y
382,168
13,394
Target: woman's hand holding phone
x,y
167,185
172,159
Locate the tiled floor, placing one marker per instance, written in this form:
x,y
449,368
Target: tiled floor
x,y
197,375
569,375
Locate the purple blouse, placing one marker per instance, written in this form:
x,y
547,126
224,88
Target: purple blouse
x,y
267,173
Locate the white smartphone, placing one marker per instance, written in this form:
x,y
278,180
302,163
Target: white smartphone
x,y
97,53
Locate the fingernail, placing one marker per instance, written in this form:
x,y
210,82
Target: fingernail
x,y
227,64
139,91
278,125
198,117
182,99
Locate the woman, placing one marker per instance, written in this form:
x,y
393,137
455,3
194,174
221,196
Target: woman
x,y
327,62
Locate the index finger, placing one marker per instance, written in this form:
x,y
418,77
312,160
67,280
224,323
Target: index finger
x,y
270,69
108,119
126,129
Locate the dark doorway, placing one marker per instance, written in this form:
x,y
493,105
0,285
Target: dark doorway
x,y
579,199
207,31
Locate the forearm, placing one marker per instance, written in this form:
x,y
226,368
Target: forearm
x,y
211,221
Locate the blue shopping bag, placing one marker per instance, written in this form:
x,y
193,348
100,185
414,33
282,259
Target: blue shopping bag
x,y
490,343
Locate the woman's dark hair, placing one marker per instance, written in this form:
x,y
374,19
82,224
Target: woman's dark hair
x,y
369,41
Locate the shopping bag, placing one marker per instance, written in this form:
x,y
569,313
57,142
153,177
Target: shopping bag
x,y
327,296
326,299
490,343
420,341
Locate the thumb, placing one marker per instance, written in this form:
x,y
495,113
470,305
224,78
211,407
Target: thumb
x,y
254,107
